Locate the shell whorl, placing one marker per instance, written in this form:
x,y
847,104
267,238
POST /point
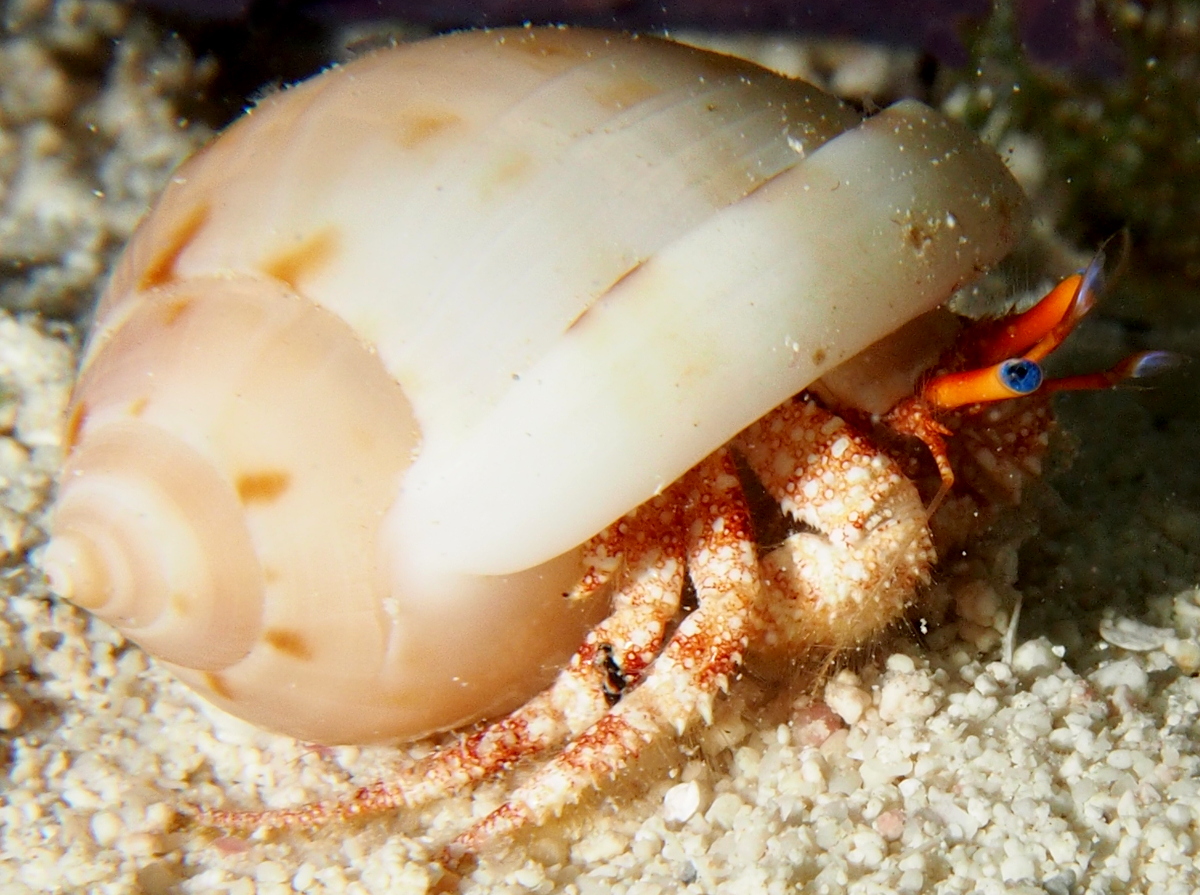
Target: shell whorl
x,y
183,505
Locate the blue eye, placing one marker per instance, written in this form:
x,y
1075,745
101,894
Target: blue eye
x,y
1022,376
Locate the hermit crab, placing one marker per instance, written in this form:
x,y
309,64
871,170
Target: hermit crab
x,y
426,392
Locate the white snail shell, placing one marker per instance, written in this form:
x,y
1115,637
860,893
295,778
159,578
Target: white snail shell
x,y
393,347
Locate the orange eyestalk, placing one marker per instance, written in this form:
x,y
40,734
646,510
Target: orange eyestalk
x,y
1011,378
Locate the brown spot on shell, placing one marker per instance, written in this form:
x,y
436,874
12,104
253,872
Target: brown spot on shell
x,y
180,604
75,420
138,406
623,92
819,356
415,128
174,310
262,486
290,643
217,685
161,269
510,168
300,261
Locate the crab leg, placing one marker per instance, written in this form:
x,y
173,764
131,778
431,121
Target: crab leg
x,y
700,659
644,552
856,569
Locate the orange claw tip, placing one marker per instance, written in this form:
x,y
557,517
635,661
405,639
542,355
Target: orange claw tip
x,y
1012,378
1021,332
1035,333
1081,304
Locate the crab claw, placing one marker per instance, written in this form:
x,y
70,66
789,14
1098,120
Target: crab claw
x,y
1010,351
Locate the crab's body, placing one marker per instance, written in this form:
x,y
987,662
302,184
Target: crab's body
x,y
860,551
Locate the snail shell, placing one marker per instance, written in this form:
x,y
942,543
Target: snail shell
x,y
388,351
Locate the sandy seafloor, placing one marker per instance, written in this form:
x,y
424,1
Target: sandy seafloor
x,y
1062,760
